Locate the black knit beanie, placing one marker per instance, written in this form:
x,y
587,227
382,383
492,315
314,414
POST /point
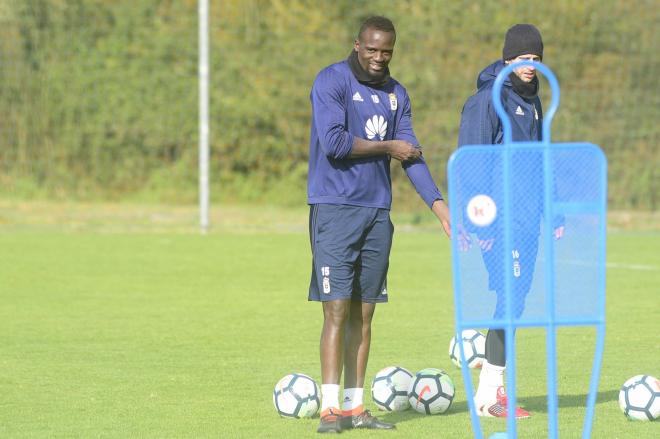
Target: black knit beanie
x,y
522,39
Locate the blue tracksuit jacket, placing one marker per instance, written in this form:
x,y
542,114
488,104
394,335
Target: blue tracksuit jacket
x,y
480,125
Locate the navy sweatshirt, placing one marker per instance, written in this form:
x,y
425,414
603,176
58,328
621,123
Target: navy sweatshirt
x,y
342,109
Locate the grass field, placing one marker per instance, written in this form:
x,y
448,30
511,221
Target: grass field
x,y
120,321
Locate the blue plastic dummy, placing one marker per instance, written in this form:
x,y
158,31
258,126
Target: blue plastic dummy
x,y
528,246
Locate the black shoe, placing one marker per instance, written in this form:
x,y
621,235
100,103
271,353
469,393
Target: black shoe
x,y
367,420
330,422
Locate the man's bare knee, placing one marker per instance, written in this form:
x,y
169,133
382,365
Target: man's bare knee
x,y
335,312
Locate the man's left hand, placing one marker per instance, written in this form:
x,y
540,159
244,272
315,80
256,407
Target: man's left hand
x,y
441,211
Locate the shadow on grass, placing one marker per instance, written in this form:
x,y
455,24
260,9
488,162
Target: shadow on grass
x,y
457,408
537,404
540,403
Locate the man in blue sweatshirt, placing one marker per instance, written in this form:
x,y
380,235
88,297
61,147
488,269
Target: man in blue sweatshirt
x,y
480,125
361,120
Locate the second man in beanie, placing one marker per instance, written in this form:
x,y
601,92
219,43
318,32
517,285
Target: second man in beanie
x,y
480,125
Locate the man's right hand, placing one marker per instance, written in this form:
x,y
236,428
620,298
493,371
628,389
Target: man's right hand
x,y
404,151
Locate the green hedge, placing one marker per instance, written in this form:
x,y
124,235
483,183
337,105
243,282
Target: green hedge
x,y
99,97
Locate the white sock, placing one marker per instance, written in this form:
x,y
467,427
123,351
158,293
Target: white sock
x,y
329,396
490,378
352,398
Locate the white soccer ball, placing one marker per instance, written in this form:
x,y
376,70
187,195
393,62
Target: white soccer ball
x,y
474,347
389,389
639,398
431,391
297,396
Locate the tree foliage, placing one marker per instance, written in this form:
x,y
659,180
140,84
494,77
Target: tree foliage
x,y
99,97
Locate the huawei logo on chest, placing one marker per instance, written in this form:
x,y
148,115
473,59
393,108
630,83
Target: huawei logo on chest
x,y
376,126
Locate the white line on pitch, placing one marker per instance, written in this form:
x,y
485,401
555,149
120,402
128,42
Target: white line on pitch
x,y
635,267
638,267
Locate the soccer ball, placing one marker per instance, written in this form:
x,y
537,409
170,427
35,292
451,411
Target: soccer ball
x,y
474,347
389,389
296,396
639,398
431,391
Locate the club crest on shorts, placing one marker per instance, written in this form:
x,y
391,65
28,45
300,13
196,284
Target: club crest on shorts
x,y
325,271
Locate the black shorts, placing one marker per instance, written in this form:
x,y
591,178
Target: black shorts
x,y
350,252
